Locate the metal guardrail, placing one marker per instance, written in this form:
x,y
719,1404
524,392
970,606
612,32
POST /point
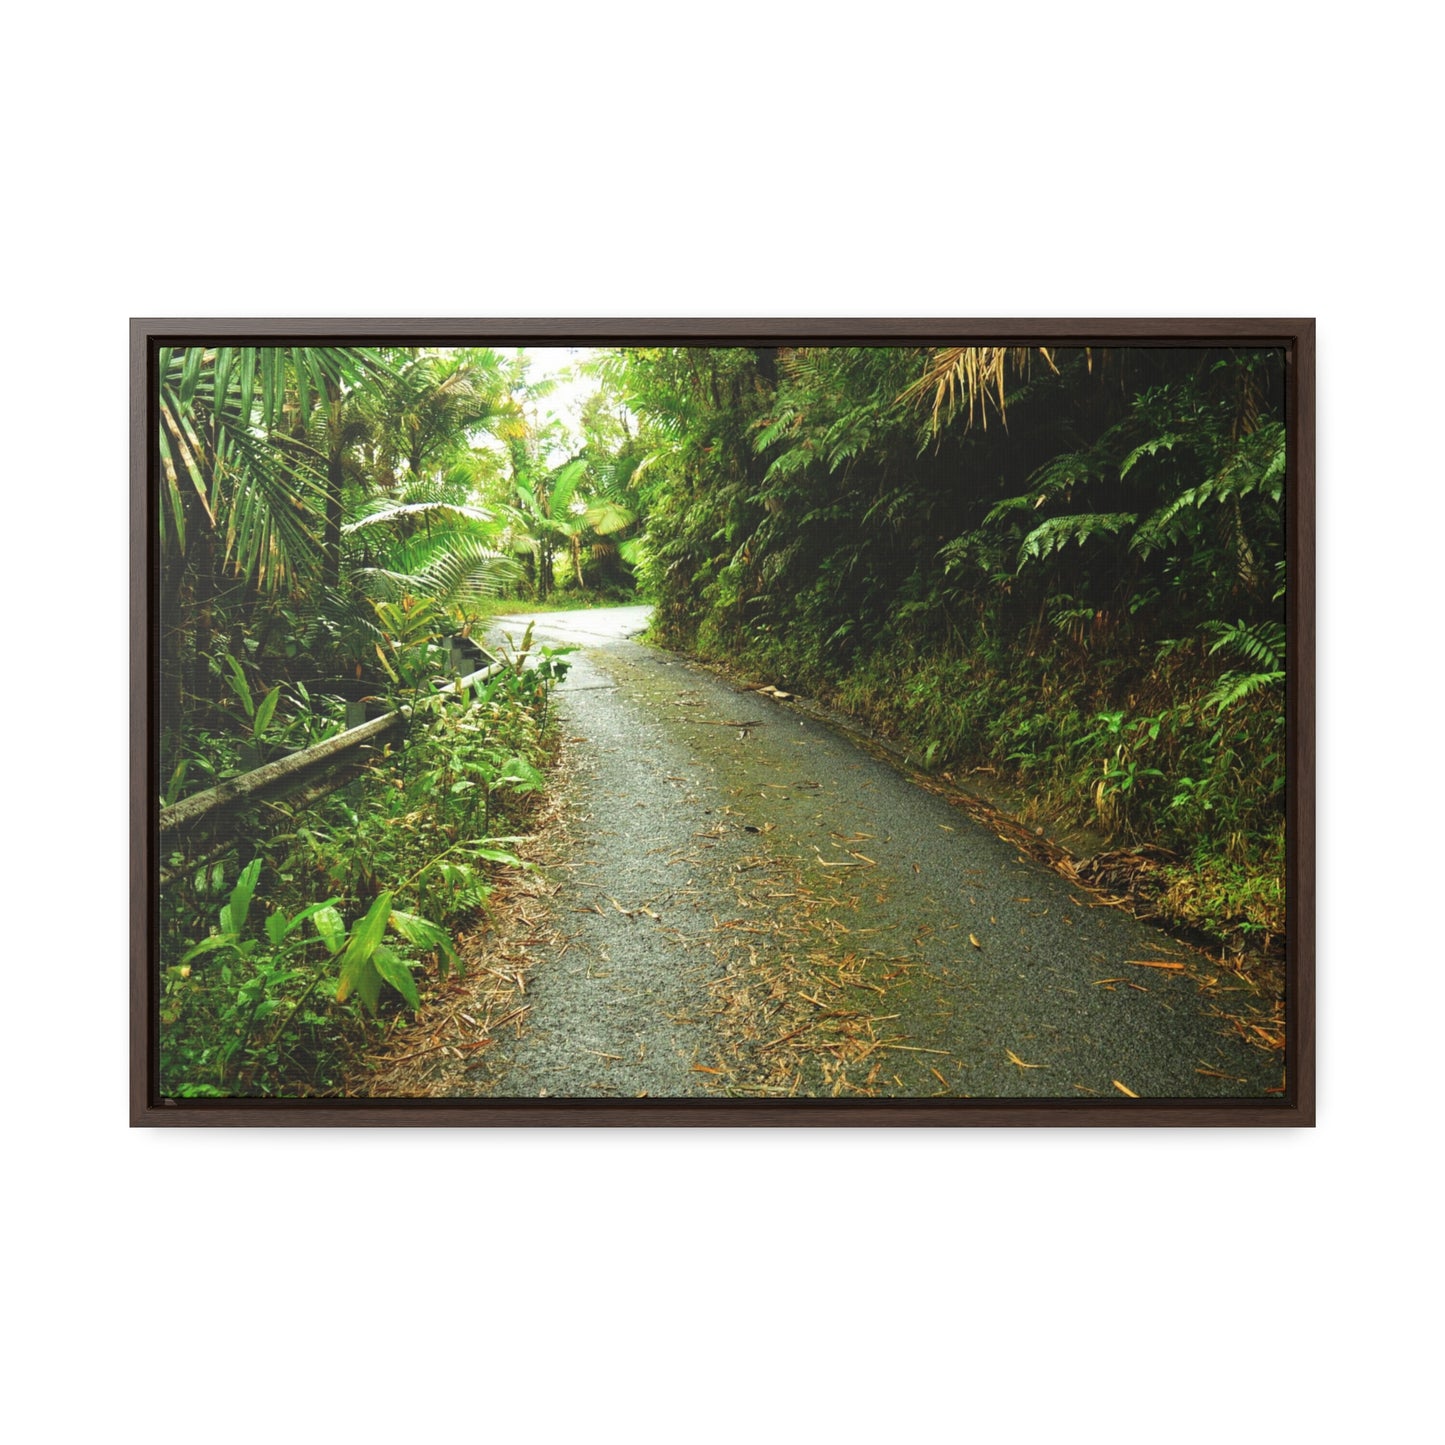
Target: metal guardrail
x,y
302,770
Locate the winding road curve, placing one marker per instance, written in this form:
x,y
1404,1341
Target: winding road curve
x,y
754,905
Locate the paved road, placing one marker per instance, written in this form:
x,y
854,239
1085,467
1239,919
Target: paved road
x,y
755,905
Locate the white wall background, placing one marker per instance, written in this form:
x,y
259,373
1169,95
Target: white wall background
x,y
767,159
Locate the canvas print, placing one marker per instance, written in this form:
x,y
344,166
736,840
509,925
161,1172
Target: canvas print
x,y
882,720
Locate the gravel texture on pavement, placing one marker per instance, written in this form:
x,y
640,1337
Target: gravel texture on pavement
x,y
755,903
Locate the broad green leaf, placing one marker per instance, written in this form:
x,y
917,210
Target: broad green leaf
x,y
294,923
215,941
519,770
396,972
495,855
422,931
240,686
365,935
265,711
276,927
330,927
368,986
241,894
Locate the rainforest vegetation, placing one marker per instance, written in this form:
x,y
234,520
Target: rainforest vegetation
x,y
328,520
1056,572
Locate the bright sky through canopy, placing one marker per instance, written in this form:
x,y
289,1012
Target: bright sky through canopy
x,y
565,401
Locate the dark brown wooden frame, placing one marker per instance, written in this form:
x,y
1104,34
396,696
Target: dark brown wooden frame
x,y
1294,1108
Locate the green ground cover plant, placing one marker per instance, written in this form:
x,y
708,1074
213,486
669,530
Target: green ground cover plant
x,y
292,952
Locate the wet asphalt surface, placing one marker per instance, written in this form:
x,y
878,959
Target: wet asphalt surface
x,y
997,977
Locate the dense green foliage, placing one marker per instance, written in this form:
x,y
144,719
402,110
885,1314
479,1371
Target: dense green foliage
x,y
326,917
1059,570
1065,567
307,493
327,518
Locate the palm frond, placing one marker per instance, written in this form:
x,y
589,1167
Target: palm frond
x,y
564,485
381,512
607,515
470,570
976,376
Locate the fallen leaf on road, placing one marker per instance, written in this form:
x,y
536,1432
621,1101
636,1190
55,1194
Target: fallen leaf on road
x,y
703,1069
1013,1058
973,940
1121,1088
1152,963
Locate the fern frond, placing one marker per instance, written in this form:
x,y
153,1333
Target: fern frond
x,y
1062,475
1257,466
1261,644
783,424
790,462
1234,687
1057,532
1147,449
